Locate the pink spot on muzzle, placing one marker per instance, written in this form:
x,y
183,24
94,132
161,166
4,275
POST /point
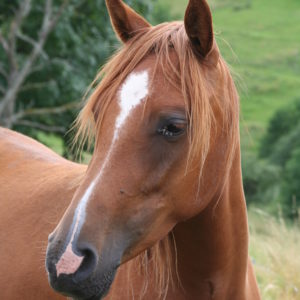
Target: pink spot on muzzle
x,y
69,263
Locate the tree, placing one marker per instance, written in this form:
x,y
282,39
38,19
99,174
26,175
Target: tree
x,y
15,72
281,124
292,185
281,148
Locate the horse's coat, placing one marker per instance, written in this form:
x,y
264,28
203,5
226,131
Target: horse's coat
x,y
160,212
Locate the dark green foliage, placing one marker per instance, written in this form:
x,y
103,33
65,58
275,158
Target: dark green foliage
x,y
291,187
261,180
285,145
281,124
161,13
275,179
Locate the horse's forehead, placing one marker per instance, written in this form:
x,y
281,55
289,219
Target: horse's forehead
x,y
145,88
163,90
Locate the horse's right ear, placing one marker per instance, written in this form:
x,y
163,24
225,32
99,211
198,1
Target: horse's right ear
x,y
199,28
125,20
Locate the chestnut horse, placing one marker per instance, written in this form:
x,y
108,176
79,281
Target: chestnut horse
x,y
160,212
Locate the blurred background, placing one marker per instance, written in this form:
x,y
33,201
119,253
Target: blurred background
x,y
51,50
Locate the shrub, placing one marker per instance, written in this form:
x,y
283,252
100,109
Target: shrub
x,y
261,180
281,124
281,148
291,185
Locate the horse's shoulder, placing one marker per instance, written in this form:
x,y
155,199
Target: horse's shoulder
x,y
14,146
35,170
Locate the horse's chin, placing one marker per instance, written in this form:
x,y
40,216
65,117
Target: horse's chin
x,y
95,288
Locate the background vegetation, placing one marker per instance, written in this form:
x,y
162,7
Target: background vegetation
x,y
50,51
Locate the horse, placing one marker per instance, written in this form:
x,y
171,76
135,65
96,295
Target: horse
x,y
159,212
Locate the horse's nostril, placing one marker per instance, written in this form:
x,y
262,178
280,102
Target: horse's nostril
x,y
88,264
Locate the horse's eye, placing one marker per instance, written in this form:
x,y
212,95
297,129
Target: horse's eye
x,y
172,129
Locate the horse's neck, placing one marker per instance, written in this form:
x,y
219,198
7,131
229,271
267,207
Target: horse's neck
x,y
212,248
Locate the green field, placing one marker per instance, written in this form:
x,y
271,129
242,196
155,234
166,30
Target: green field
x,y
261,41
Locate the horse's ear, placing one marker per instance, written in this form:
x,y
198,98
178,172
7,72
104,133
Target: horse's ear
x,y
125,20
199,27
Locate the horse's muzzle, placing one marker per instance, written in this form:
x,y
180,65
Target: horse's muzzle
x,y
91,281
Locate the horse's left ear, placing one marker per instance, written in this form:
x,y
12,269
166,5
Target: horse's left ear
x,y
199,28
125,20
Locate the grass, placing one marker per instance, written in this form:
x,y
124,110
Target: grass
x,y
274,249
264,39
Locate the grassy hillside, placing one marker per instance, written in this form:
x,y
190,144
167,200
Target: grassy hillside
x,y
265,41
274,249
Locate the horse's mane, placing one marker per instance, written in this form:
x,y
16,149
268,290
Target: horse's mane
x,y
205,101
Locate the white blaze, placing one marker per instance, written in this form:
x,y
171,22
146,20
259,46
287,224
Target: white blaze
x,y
132,93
